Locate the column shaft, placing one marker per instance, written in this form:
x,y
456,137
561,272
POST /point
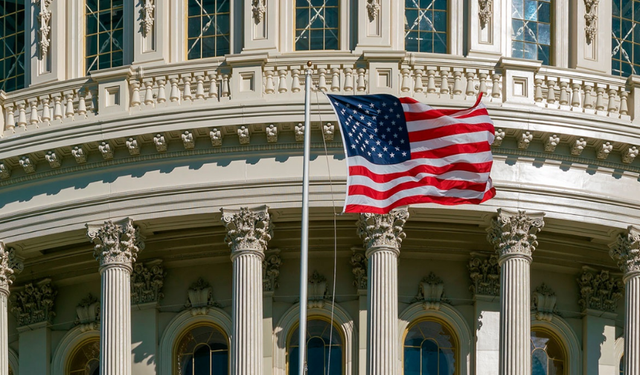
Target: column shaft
x,y
4,334
246,340
632,326
515,320
115,327
382,321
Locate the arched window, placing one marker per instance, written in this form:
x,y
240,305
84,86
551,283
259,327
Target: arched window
x,y
317,25
104,34
324,349
85,359
11,44
425,26
625,38
430,349
622,365
531,30
203,350
547,353
209,28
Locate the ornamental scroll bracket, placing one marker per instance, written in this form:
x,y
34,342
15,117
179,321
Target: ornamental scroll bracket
x,y
44,19
591,18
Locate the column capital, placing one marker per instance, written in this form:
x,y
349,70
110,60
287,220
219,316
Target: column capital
x,y
117,243
626,252
34,303
382,230
10,266
247,229
513,234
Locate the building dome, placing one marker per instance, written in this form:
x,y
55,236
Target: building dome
x,y
151,189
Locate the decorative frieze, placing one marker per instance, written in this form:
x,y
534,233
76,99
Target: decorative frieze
x,y
485,276
514,233
243,135
247,229
34,303
328,131
626,252
551,143
132,146
200,297
383,230
599,291
116,243
147,280
431,292
105,150
544,303
271,271
27,164
500,135
359,266
53,158
578,146
44,19
88,313
5,170
525,140
187,140
216,137
604,150
272,133
317,290
630,154
79,154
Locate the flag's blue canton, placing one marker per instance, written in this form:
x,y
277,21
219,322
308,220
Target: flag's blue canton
x,y
373,126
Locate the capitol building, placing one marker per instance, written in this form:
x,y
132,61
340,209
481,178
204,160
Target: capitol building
x,y
151,159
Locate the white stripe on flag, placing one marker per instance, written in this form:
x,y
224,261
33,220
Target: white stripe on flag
x,y
454,139
417,191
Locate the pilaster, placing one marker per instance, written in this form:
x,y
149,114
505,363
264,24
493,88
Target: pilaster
x,y
270,274
260,21
381,236
117,245
248,233
149,32
374,23
45,55
513,235
9,266
590,41
485,28
626,252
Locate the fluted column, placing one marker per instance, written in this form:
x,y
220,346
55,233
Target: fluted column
x,y
117,245
513,235
8,263
626,251
382,236
248,232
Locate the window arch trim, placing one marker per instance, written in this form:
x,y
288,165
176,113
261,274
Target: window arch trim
x,y
67,347
447,315
327,320
178,326
568,339
289,321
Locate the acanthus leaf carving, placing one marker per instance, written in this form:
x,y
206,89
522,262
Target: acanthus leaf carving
x,y
271,271
626,252
200,297
317,287
44,19
431,292
591,18
34,303
247,229
514,233
88,313
384,230
10,266
147,281
359,265
544,303
485,11
485,276
599,291
258,8
148,17
373,9
116,242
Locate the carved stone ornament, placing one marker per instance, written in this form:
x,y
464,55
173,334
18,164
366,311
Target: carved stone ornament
x,y
271,271
258,8
317,289
147,17
5,170
515,232
116,242
485,276
626,251
359,264
10,266
544,303
146,282
431,292
247,229
44,19
373,8
34,303
591,18
383,230
88,314
200,298
485,10
599,291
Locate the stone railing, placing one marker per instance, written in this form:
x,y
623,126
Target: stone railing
x,y
447,80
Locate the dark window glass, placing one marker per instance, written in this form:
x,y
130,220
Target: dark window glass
x,y
85,359
324,349
425,26
429,349
11,45
625,41
203,350
209,28
531,30
317,25
104,34
547,354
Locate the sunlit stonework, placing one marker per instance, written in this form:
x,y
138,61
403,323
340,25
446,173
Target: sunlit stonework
x,y
116,242
385,230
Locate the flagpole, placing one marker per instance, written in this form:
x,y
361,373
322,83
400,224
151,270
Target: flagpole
x,y
304,245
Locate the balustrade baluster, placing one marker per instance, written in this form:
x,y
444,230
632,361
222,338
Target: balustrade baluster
x,y
269,86
22,115
69,112
588,98
457,82
135,95
611,106
82,105
46,110
199,86
213,85
11,122
225,86
483,83
537,92
282,84
162,91
599,98
174,95
295,80
57,109
33,116
444,85
417,87
495,89
624,109
322,79
405,86
362,86
551,91
470,90
335,79
564,100
348,79
575,98
431,81
186,89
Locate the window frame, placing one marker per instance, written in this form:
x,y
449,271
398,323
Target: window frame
x,y
346,29
185,30
21,80
450,19
75,350
559,341
456,339
126,36
174,355
328,321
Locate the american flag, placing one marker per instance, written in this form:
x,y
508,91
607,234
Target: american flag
x,y
400,151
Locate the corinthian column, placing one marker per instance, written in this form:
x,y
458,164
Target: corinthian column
x,y
248,232
513,234
626,251
382,236
8,263
116,248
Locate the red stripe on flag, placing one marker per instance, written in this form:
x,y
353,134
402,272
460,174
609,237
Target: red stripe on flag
x,y
465,148
381,178
431,181
423,135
